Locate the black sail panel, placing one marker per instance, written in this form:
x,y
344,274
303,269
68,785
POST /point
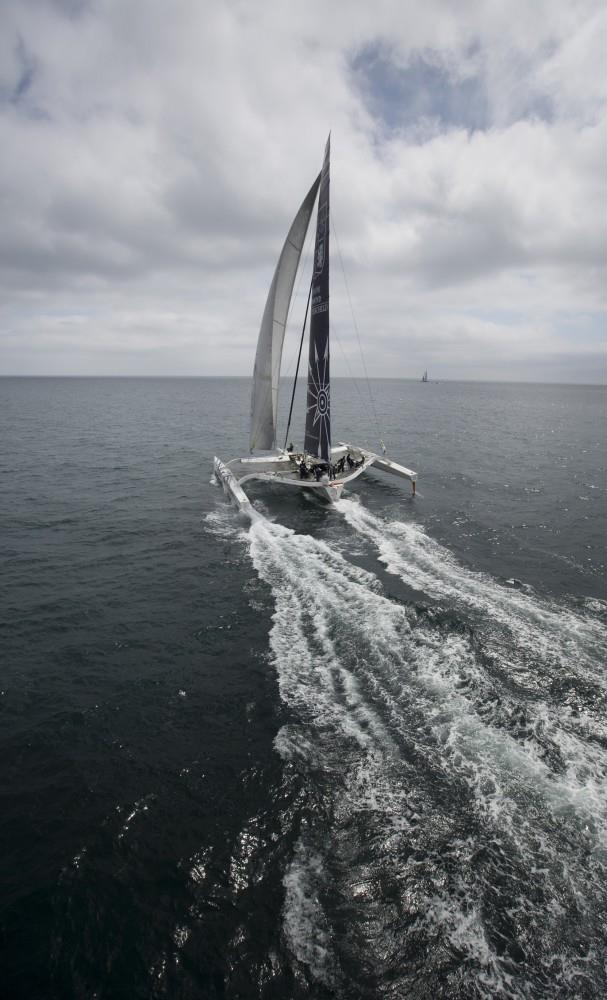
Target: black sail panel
x,y
318,405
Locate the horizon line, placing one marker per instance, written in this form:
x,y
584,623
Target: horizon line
x,y
335,378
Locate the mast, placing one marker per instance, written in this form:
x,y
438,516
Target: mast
x,y
318,409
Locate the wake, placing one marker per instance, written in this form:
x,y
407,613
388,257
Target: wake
x,y
435,781
539,628
551,660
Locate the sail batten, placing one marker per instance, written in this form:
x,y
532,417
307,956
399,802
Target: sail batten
x,y
266,375
318,404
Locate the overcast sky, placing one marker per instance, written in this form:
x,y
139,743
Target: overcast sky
x,y
153,154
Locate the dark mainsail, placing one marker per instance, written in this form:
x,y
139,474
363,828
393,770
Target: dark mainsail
x,y
318,408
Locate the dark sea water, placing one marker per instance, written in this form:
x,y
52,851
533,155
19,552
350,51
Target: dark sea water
x,y
353,752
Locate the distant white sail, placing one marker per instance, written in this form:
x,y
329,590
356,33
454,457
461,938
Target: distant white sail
x,y
264,400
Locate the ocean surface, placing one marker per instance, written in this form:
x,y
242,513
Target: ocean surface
x,y
351,752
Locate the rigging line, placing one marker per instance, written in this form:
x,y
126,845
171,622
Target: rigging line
x,y
335,336
362,357
303,330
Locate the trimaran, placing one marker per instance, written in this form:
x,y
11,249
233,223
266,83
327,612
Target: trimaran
x,y
320,469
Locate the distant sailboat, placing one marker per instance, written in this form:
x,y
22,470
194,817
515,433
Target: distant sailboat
x,y
425,376
319,468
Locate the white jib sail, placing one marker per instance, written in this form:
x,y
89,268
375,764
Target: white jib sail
x,y
266,374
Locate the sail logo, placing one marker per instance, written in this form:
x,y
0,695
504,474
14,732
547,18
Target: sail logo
x,y
320,256
322,403
319,396
321,238
318,410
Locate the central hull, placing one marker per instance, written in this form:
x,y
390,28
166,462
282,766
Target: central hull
x,y
228,475
282,469
328,492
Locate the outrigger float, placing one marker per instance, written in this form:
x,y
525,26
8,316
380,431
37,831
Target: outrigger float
x,y
319,469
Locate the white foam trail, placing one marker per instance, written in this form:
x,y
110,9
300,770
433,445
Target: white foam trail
x,y
223,522
378,698
553,634
321,604
305,923
544,630
596,604
466,934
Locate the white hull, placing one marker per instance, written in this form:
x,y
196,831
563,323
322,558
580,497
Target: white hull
x,y
281,468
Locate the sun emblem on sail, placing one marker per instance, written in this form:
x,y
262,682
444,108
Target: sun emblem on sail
x,y
319,389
